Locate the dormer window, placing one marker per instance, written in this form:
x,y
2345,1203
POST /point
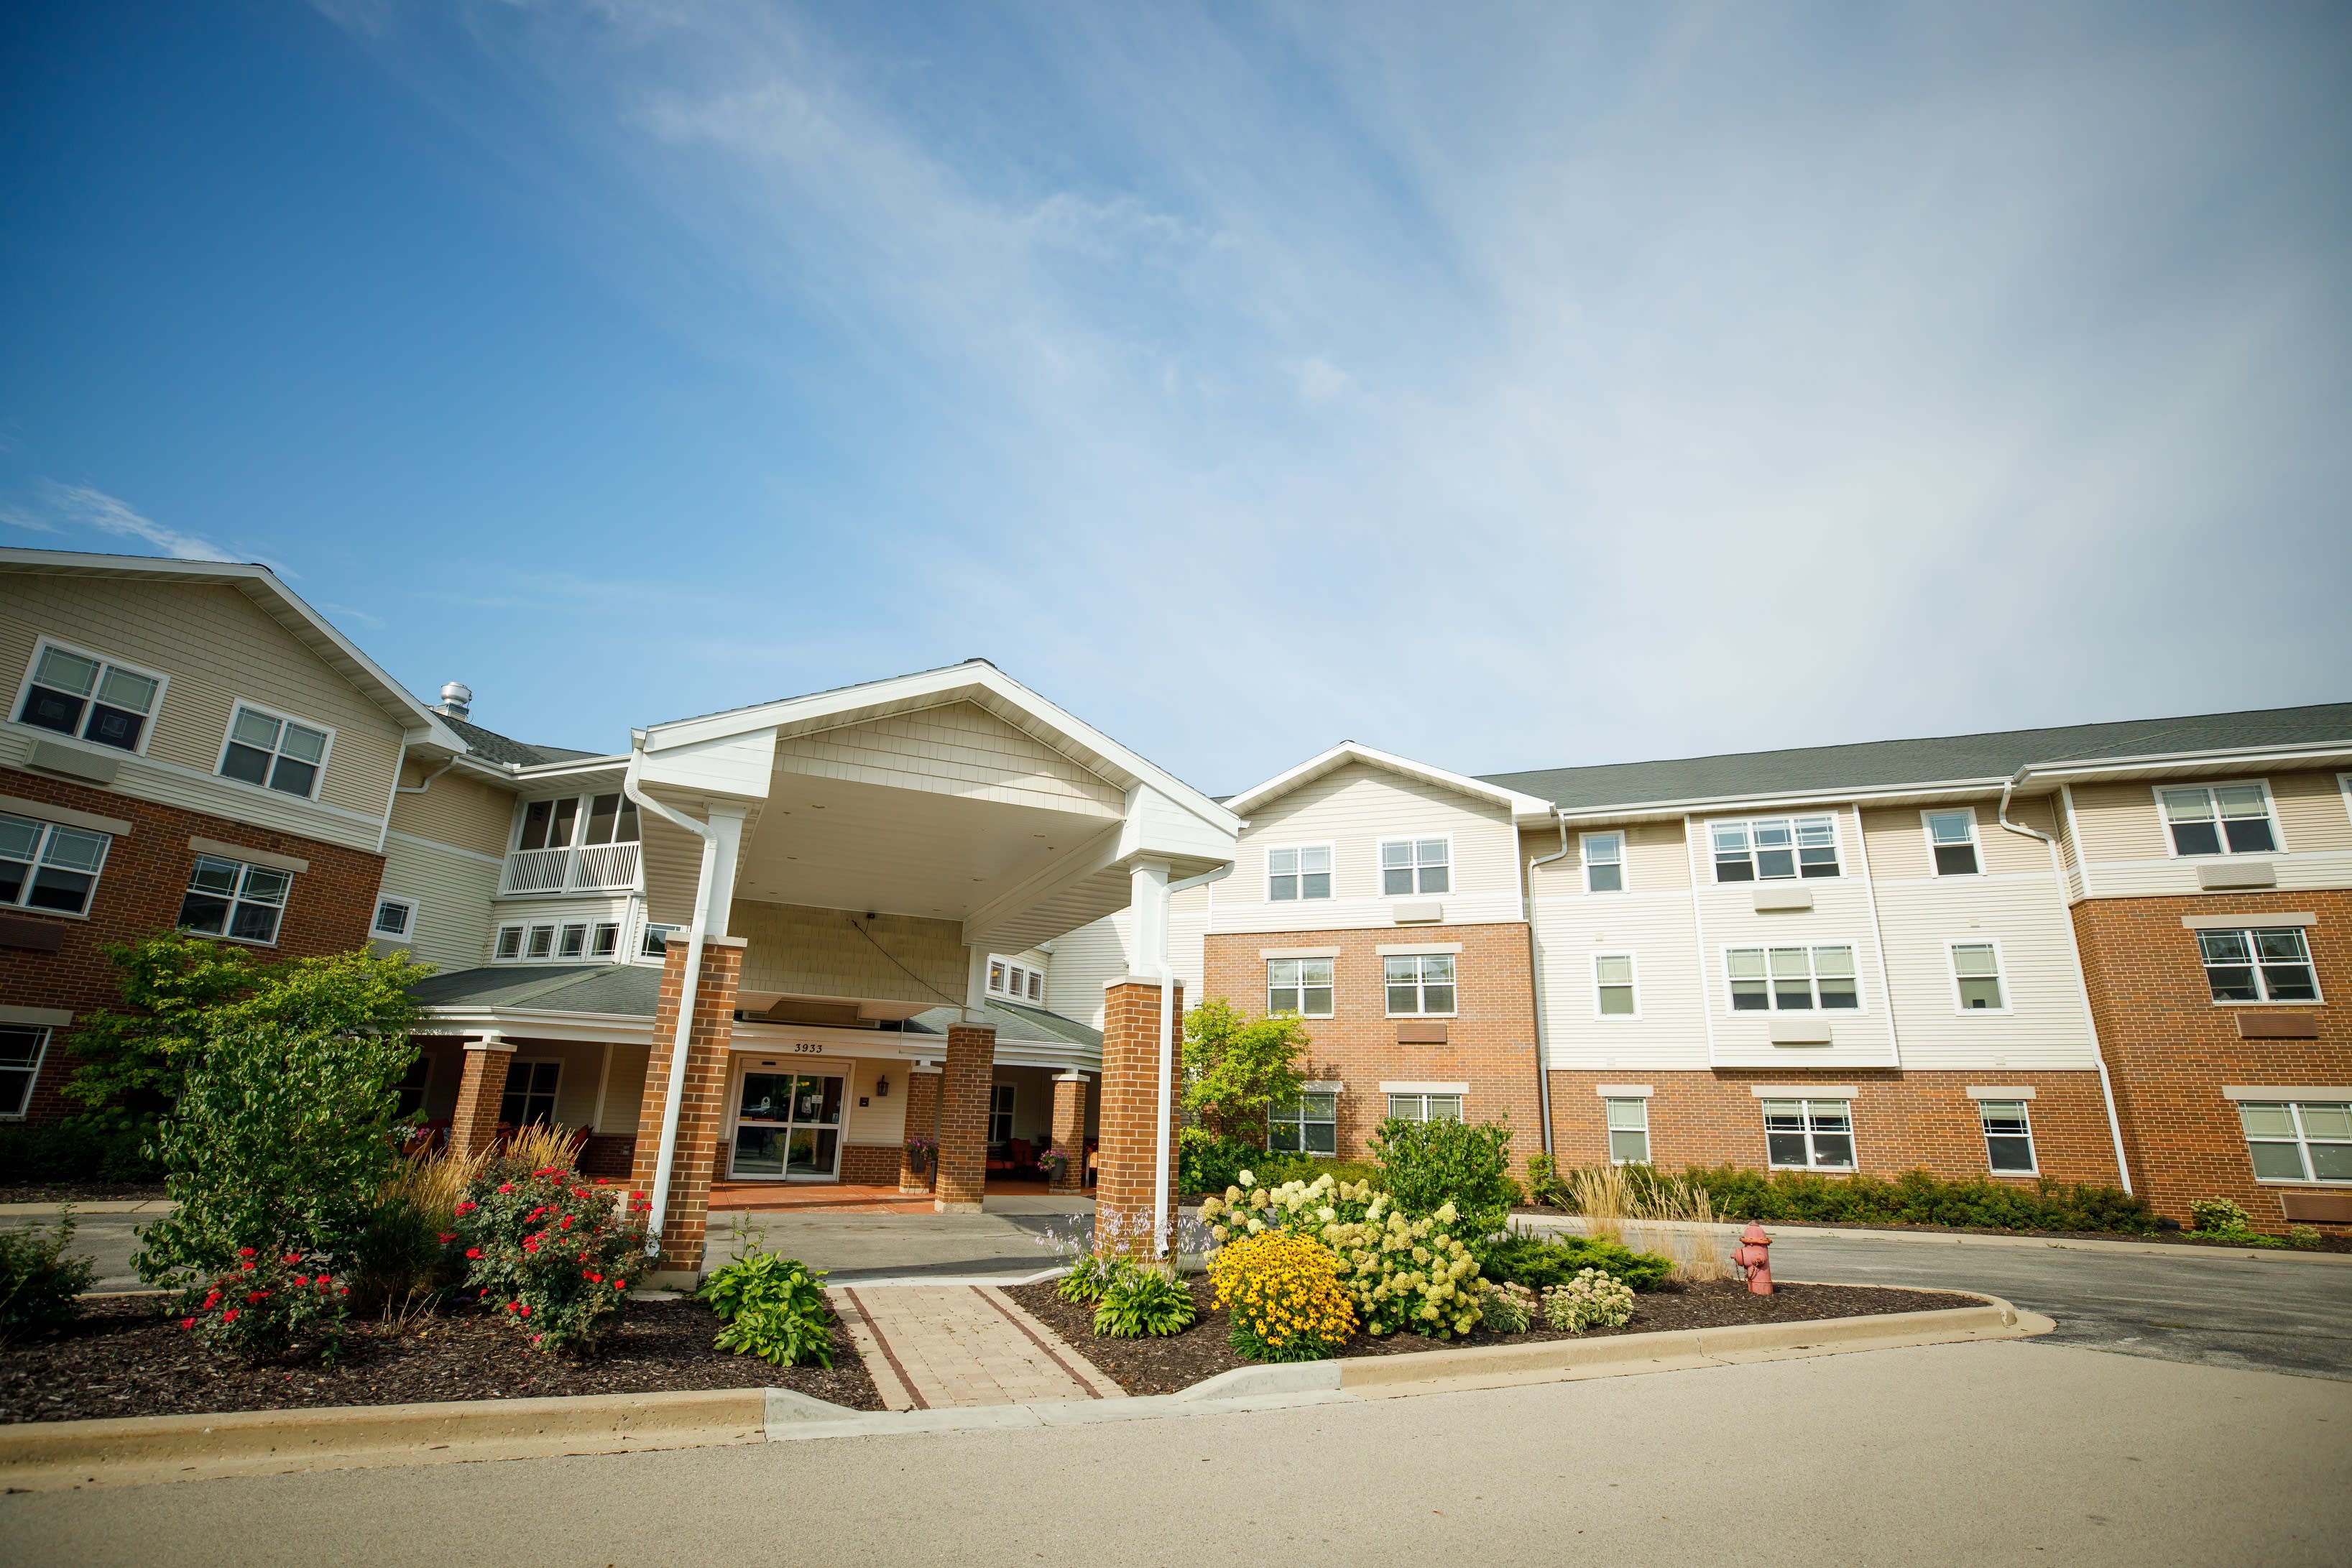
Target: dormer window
x,y
1016,982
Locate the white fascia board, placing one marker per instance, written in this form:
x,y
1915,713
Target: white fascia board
x,y
1308,772
740,765
614,764
1155,825
2327,753
538,1023
1710,805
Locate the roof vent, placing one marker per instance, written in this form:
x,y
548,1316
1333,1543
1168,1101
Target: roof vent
x,y
457,699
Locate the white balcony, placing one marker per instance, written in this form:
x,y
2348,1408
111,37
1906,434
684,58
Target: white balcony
x,y
590,869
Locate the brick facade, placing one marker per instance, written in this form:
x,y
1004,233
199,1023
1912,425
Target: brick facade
x,y
1070,1130
139,893
1127,1127
702,1107
2171,1049
922,1122
970,1068
481,1089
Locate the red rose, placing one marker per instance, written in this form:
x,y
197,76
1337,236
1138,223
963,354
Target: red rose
x,y
187,1322
247,1252
567,1222
473,1252
447,1236
620,1284
467,1208
229,1316
506,1186
292,1258
245,1267
211,1300
526,1311
301,1279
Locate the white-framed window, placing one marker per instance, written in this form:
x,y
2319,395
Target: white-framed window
x,y
604,940
395,919
2008,1136
540,941
49,866
583,819
1629,1131
1425,1106
1411,866
530,1096
1769,849
1299,871
1792,979
1976,978
1300,985
2298,1140
1419,984
654,940
72,692
270,750
22,1047
509,944
1612,987
2219,819
1604,862
999,1114
409,1092
1809,1135
230,899
2258,964
571,941
1952,841
1307,1125
1016,981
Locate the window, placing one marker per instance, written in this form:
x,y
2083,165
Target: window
x,y
573,942
395,917
21,1050
47,866
656,940
1952,840
241,902
2258,965
1419,983
548,823
1774,847
2298,1141
410,1090
1809,1135
605,942
510,942
1307,1125
1425,1106
1791,979
2226,819
1604,862
555,824
1415,866
1612,984
1629,1131
1976,978
1020,981
2008,1136
89,698
1300,985
612,819
540,942
1302,871
530,1096
276,754
999,1114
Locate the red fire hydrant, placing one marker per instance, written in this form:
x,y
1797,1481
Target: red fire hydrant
x,y
1754,1254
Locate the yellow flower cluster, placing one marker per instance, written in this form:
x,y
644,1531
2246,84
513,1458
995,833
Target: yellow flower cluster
x,y
1408,1273
1284,1291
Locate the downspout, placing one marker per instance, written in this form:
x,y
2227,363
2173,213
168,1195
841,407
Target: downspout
x,y
2081,987
1534,970
674,1096
1159,1195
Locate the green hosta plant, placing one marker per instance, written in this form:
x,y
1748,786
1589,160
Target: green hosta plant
x,y
1140,1301
1086,1280
773,1308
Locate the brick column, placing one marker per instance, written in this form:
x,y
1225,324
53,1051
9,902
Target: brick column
x,y
963,1117
702,1110
473,1126
922,1122
1128,1122
1070,1130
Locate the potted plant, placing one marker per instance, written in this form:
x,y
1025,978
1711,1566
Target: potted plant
x,y
923,1155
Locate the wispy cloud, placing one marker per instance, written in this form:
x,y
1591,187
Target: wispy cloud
x,y
65,507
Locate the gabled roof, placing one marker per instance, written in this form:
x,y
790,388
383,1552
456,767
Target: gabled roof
x,y
1520,802
1982,760
491,746
1012,1021
611,990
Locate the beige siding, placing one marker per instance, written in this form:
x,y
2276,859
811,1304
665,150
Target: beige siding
x,y
1085,960
2311,810
959,749
453,890
456,809
2118,822
795,949
625,1090
1573,927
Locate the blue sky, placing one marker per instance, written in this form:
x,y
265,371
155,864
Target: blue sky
x,y
1508,387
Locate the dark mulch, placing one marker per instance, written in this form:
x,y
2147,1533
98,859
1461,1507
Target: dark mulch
x,y
82,1193
122,1359
1179,1360
2327,1243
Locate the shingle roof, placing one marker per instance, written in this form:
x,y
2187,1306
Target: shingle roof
x,y
1879,764
621,990
500,748
1013,1021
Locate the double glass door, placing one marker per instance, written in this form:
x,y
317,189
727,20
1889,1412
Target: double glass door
x,y
788,1125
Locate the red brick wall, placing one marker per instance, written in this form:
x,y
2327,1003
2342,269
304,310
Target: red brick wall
x,y
869,1163
922,1122
1490,1044
1128,1119
702,1107
2170,1050
139,894
969,1069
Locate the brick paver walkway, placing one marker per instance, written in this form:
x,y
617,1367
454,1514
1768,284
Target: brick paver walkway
x,y
931,1346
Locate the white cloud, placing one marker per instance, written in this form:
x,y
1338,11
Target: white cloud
x,y
79,506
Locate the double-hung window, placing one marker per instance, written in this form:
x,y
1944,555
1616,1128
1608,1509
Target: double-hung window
x,y
1976,978
1629,1131
230,899
1307,1125
1774,847
2224,819
2008,1136
1300,985
89,698
274,753
999,1114
1604,862
1299,871
1612,985
1791,979
2298,1141
1425,1106
2258,965
1809,1135
22,1046
1419,984
395,919
1409,866
530,1096
1952,841
409,1092
49,866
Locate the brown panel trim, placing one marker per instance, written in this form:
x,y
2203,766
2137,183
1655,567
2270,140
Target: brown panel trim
x,y
2322,1208
1421,1031
2254,1026
31,936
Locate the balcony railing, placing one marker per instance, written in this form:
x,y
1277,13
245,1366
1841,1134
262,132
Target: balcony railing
x,y
590,869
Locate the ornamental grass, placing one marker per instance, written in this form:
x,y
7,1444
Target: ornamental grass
x,y
1285,1295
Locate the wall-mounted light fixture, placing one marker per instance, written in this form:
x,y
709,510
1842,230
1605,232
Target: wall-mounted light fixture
x,y
881,1088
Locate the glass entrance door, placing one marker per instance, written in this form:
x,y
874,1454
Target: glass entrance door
x,y
788,1125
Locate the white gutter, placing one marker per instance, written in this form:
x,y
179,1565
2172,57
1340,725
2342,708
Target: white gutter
x,y
2081,987
1535,965
1168,1052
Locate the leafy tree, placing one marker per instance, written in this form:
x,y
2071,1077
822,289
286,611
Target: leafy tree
x,y
1426,1165
1234,1068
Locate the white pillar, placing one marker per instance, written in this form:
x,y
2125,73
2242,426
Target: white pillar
x,y
718,899
1147,883
975,985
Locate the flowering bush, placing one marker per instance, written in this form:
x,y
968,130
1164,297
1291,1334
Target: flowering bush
x,y
1507,1308
547,1248
268,1304
1142,1299
1403,1273
1591,1300
1285,1295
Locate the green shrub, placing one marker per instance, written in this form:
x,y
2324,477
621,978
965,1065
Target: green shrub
x,y
1916,1197
85,1149
1544,1183
37,1281
548,1248
773,1307
1591,1300
1085,1279
400,1253
2219,1215
272,1303
1507,1308
1142,1300
1235,1069
1425,1166
1540,1262
1206,1162
2304,1236
1276,1170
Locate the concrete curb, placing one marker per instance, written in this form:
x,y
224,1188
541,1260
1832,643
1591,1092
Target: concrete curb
x,y
1573,1226
103,1206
